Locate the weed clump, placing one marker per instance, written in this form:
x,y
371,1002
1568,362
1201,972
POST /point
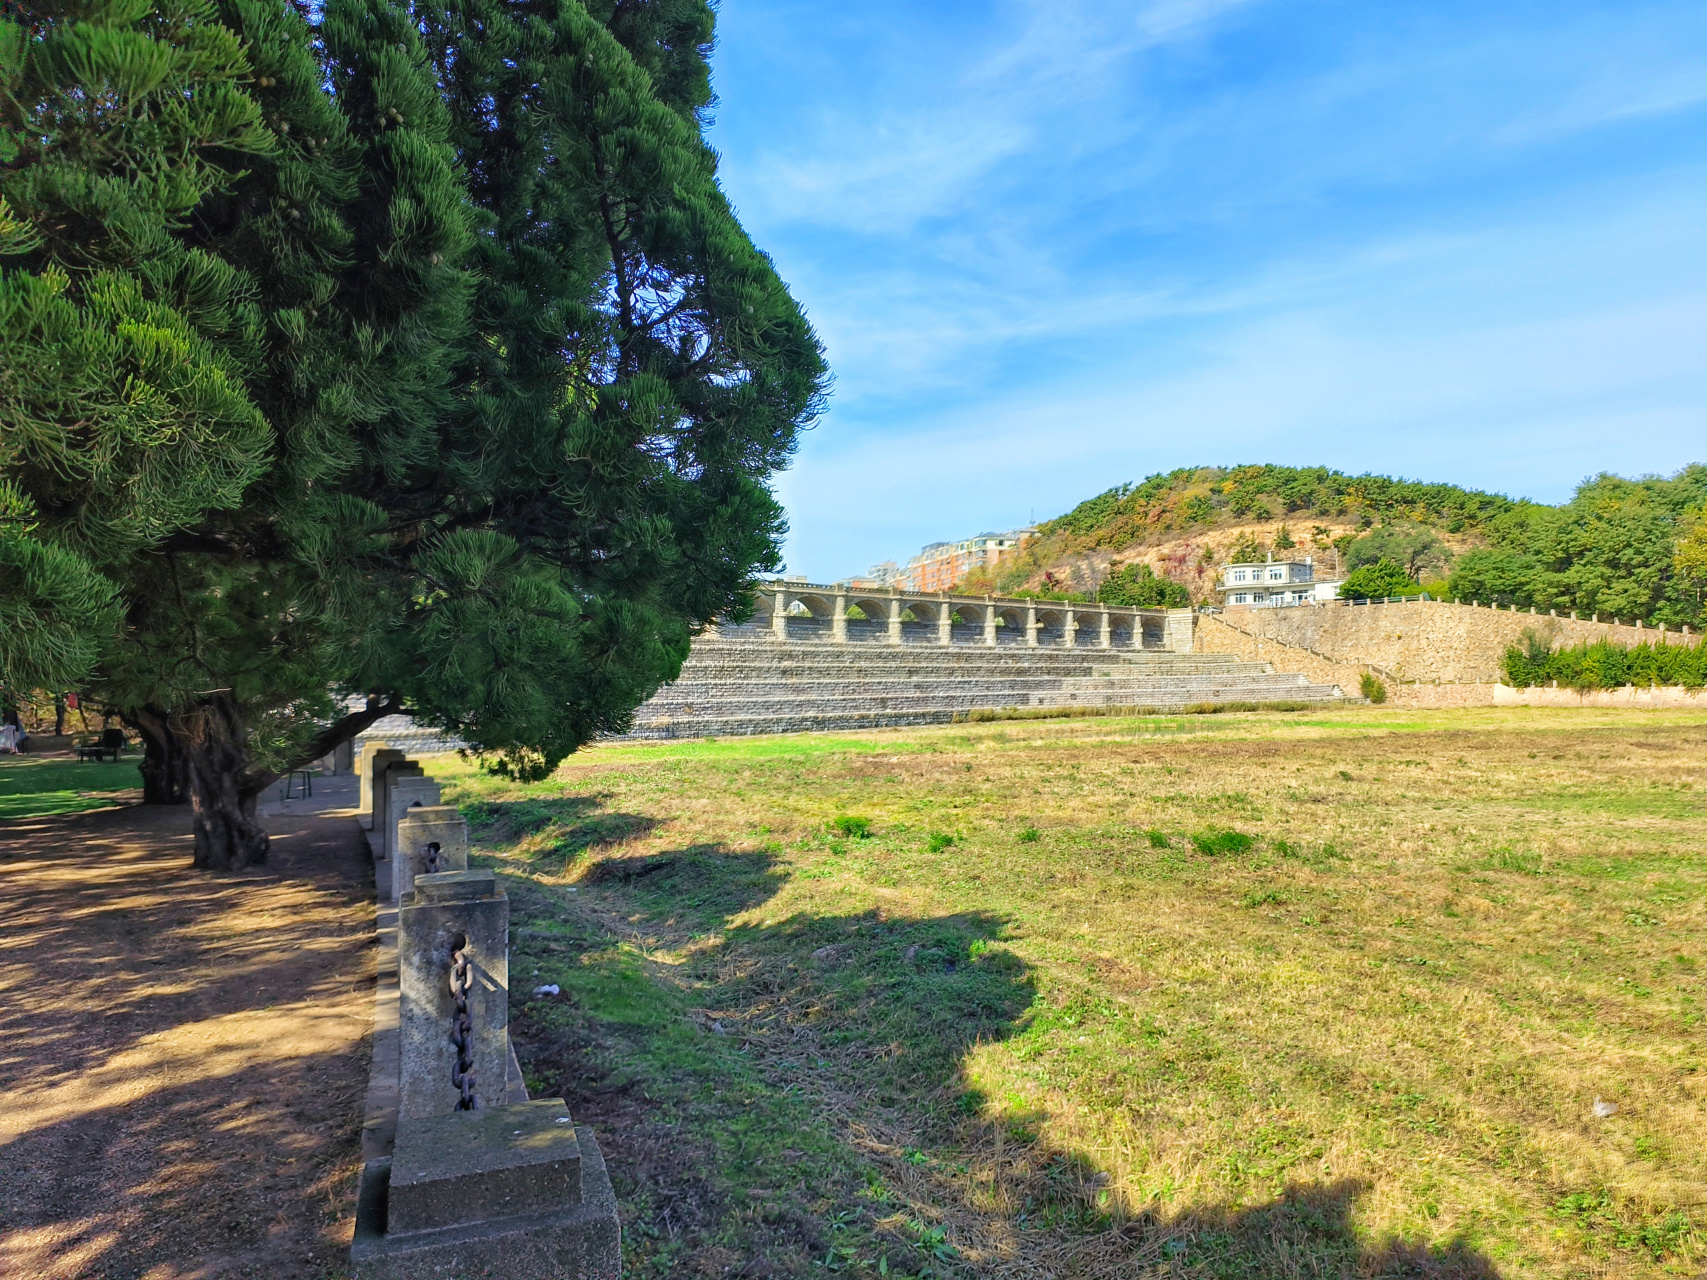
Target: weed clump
x,y
857,828
1158,839
1213,843
1029,836
939,841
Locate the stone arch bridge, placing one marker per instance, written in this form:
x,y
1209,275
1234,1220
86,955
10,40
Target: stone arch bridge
x,y
850,615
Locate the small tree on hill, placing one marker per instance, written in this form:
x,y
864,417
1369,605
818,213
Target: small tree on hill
x,y
1136,586
1378,581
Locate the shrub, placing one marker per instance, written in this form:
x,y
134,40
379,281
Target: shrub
x,y
1378,581
1136,586
1372,688
1211,843
858,828
1603,664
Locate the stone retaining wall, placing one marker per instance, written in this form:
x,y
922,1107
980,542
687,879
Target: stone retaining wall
x,y
1431,641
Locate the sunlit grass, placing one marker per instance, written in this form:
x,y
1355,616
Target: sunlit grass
x,y
1231,995
36,786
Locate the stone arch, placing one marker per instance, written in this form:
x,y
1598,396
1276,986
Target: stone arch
x,y
925,610
1012,617
875,608
1053,619
816,605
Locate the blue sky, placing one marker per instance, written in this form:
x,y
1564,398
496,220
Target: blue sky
x,y
1054,246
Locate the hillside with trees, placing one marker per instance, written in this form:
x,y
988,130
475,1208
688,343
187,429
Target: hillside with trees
x,y
1636,548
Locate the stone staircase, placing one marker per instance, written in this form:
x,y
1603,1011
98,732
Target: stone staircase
x,y
742,682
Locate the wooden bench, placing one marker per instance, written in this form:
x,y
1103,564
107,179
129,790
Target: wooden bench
x,y
98,746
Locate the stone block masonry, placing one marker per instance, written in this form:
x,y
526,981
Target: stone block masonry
x,y
1428,641
745,681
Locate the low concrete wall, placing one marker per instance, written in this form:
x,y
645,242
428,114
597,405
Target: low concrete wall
x,y
1432,641
1628,696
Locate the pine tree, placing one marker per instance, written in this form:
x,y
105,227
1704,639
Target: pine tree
x,y
523,379
354,230
635,372
124,349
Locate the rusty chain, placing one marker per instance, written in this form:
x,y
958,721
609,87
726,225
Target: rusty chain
x,y
462,1032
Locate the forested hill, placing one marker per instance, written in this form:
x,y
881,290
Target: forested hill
x,y
1635,548
1201,497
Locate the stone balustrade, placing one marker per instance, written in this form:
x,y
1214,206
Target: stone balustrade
x,y
809,611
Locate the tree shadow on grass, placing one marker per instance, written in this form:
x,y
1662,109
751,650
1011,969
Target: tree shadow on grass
x,y
542,828
784,1097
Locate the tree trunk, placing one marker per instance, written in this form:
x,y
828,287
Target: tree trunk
x,y
59,715
223,790
165,768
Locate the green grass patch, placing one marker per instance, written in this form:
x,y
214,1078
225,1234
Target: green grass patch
x,y
38,786
1175,1000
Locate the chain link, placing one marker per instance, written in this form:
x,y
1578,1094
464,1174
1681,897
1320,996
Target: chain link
x,y
462,1034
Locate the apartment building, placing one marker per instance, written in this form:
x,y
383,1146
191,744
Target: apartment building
x,y
940,565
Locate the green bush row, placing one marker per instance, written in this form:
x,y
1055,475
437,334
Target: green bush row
x,y
1604,664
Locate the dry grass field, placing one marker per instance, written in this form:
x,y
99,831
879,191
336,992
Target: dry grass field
x,y
1360,993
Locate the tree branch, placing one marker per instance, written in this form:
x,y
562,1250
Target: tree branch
x,y
335,735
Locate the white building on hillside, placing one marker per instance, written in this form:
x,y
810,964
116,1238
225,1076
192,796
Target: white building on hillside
x,y
1274,584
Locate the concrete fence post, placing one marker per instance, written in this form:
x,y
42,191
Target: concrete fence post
x,y
402,795
370,767
389,777
452,911
431,839
510,1188
384,763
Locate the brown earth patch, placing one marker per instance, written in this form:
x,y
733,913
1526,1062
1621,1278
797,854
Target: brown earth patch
x,y
184,1055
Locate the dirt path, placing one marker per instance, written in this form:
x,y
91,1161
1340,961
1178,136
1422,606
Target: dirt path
x,y
183,1057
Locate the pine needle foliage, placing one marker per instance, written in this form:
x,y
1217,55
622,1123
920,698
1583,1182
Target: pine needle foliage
x,y
462,382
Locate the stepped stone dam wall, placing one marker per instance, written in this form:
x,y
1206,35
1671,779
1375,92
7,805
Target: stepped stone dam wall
x,y
742,680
